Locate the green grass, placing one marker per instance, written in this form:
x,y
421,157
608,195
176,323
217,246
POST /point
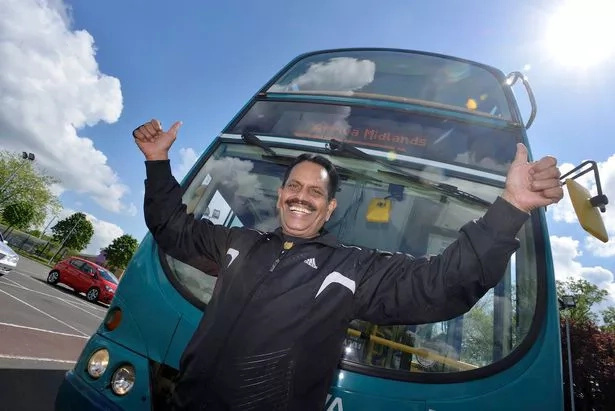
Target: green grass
x,y
34,257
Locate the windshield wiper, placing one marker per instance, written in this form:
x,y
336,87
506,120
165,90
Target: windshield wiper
x,y
249,138
344,149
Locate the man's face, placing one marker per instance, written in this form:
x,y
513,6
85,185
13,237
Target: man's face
x,y
303,201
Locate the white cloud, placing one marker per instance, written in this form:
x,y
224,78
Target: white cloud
x,y
564,211
131,210
187,159
337,74
104,233
565,259
50,87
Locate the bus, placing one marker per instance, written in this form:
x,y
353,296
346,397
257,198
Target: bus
x,y
422,143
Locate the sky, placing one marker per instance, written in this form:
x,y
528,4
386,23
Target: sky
x,y
76,77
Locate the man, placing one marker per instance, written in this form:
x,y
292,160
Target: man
x,y
272,333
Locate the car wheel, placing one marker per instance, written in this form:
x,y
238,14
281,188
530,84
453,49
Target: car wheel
x,y
92,294
53,277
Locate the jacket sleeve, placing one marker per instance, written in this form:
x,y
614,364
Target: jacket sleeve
x,y
177,232
400,289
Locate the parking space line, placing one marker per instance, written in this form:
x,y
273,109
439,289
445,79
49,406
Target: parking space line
x,y
44,313
2,279
75,299
22,357
42,330
59,298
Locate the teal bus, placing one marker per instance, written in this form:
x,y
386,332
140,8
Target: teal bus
x,y
422,143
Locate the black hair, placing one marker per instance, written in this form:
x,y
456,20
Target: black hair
x,y
334,178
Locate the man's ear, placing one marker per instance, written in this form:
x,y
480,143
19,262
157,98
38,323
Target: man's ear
x,y
278,204
331,207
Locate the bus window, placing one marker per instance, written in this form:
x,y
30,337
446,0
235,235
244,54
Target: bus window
x,y
480,147
241,182
398,76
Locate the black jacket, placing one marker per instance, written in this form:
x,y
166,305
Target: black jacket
x,y
272,333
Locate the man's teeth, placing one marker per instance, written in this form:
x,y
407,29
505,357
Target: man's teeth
x,y
298,209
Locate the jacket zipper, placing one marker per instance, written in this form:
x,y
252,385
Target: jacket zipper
x,y
277,261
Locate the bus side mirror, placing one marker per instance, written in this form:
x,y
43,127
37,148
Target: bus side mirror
x,y
587,214
586,207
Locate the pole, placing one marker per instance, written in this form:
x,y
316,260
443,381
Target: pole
x,y
569,365
63,241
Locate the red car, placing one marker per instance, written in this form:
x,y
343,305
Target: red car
x,y
84,276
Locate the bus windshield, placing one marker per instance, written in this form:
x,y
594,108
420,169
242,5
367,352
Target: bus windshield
x,y
408,77
237,187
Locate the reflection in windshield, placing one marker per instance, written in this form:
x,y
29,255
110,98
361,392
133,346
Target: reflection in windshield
x,y
487,148
335,74
399,76
108,276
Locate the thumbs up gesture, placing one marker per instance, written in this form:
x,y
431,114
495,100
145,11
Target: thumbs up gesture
x,y
153,141
532,185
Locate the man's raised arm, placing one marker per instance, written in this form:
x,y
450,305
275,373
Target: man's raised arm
x,y
175,231
400,289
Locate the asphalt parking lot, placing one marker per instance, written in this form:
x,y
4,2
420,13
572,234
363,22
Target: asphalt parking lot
x,y
43,329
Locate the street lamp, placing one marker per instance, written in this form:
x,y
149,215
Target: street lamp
x,y
567,302
24,156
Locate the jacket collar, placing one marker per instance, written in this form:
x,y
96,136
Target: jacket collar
x,y
324,238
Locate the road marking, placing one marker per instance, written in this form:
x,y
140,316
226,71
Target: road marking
x,y
75,299
42,330
44,313
59,298
22,357
14,282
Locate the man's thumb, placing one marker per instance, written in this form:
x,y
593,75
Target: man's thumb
x,y
175,127
521,154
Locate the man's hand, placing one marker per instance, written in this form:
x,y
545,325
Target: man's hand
x,y
153,141
532,185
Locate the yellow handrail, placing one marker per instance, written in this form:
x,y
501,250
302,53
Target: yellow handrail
x,y
460,365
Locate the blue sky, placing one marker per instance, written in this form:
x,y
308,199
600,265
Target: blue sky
x,y
90,72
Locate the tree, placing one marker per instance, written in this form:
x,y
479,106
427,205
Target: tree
x,y
30,185
586,295
73,232
593,365
121,250
608,316
18,215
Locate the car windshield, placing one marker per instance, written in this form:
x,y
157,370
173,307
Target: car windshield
x,y
237,187
108,276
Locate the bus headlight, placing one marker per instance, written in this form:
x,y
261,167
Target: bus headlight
x,y
123,379
97,364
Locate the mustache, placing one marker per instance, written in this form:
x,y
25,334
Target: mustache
x,y
302,203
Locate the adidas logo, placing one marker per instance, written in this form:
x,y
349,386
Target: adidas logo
x,y
312,263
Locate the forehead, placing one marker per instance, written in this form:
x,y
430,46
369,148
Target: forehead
x,y
311,173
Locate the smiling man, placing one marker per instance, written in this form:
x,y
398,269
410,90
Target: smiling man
x,y
273,331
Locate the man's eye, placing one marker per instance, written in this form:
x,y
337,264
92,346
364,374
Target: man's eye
x,y
317,193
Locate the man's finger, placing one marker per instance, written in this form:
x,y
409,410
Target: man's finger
x,y
138,134
157,125
555,193
543,164
149,129
540,185
521,155
551,172
175,128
